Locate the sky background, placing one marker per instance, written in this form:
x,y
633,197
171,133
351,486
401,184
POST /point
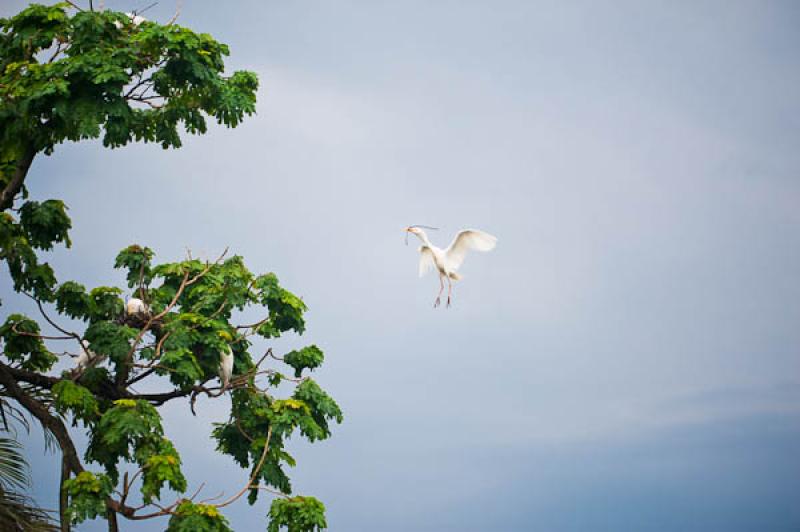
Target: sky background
x,y
627,358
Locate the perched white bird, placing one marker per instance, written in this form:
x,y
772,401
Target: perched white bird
x,y
448,261
136,307
87,358
135,20
225,366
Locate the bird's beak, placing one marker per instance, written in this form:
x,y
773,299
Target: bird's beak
x,y
408,230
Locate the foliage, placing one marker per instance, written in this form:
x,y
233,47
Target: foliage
x,y
70,76
13,468
93,74
190,517
297,514
22,343
76,400
310,357
18,512
87,493
196,303
96,73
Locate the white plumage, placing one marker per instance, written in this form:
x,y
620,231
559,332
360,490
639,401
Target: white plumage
x,y
225,366
135,20
87,358
448,261
136,307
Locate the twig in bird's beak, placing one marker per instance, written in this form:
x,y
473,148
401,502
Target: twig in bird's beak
x,y
410,227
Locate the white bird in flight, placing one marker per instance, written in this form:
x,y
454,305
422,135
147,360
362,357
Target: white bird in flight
x,y
225,366
448,261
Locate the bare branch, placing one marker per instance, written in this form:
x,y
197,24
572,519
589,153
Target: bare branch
x,y
272,491
42,336
256,470
146,101
178,6
73,4
52,323
57,52
197,492
253,325
141,81
241,430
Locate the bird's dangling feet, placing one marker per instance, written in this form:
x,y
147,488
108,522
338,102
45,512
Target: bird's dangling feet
x,y
448,302
437,302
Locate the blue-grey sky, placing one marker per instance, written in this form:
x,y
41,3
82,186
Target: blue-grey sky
x,y
627,358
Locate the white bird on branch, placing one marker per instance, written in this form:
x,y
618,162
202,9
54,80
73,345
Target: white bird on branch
x,y
136,307
135,20
225,366
448,261
87,358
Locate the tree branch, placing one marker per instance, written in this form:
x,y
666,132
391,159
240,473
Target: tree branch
x,y
52,323
40,412
31,377
13,187
176,15
256,470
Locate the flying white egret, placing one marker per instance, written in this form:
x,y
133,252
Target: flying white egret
x,y
225,366
87,358
448,260
136,307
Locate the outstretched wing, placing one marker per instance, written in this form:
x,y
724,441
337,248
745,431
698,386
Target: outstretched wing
x,y
463,242
426,263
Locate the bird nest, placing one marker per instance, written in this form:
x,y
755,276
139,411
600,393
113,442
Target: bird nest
x,y
140,321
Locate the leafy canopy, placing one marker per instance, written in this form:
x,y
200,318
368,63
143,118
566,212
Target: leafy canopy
x,y
70,76
98,74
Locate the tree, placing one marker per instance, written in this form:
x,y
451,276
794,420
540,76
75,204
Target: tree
x,y
68,74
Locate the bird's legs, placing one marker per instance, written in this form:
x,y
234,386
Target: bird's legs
x,y
439,295
449,290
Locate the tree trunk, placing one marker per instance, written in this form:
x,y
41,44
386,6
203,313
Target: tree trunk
x,y
23,164
112,521
62,497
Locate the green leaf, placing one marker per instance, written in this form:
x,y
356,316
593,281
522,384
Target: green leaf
x,y
72,300
297,514
75,399
190,517
87,495
105,303
22,344
110,339
130,430
322,407
162,467
136,259
310,357
45,223
181,366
